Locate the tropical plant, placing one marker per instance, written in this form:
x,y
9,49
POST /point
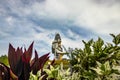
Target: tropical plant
x,y
21,64
20,61
94,52
104,71
57,73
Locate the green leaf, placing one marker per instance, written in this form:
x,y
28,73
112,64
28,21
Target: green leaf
x,y
107,65
48,71
116,39
97,70
99,64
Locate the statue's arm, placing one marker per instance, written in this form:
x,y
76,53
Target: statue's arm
x,y
59,52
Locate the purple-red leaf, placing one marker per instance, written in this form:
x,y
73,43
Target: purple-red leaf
x,y
39,63
4,72
43,63
34,60
12,57
18,53
28,54
26,71
36,55
43,59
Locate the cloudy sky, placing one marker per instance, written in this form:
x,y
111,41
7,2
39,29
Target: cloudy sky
x,y
24,21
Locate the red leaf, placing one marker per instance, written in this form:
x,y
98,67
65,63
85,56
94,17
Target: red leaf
x,y
34,60
28,54
12,58
40,63
4,72
43,59
43,62
36,55
18,54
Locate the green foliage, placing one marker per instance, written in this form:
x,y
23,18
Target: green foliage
x,y
52,72
97,59
58,73
104,71
116,39
38,76
4,59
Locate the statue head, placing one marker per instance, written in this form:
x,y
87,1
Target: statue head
x,y
57,37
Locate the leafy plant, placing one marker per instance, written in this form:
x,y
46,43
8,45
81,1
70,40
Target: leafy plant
x,y
21,64
104,71
94,52
38,63
57,73
20,61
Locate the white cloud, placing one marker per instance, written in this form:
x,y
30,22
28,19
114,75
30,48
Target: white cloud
x,y
100,18
10,20
55,9
72,43
52,9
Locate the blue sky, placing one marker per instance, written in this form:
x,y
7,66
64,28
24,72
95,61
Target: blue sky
x,y
24,21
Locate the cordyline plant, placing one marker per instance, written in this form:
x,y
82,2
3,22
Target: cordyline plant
x,y
21,64
6,73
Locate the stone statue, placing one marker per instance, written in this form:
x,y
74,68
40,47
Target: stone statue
x,y
57,47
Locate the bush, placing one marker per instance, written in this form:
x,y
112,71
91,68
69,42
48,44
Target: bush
x,y
96,60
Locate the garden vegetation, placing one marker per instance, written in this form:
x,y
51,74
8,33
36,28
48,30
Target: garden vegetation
x,y
98,60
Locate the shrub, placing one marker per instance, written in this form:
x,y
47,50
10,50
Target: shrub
x,y
96,59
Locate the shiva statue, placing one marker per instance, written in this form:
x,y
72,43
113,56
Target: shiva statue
x,y
57,49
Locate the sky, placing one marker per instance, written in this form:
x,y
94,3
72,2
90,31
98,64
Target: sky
x,y
24,21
